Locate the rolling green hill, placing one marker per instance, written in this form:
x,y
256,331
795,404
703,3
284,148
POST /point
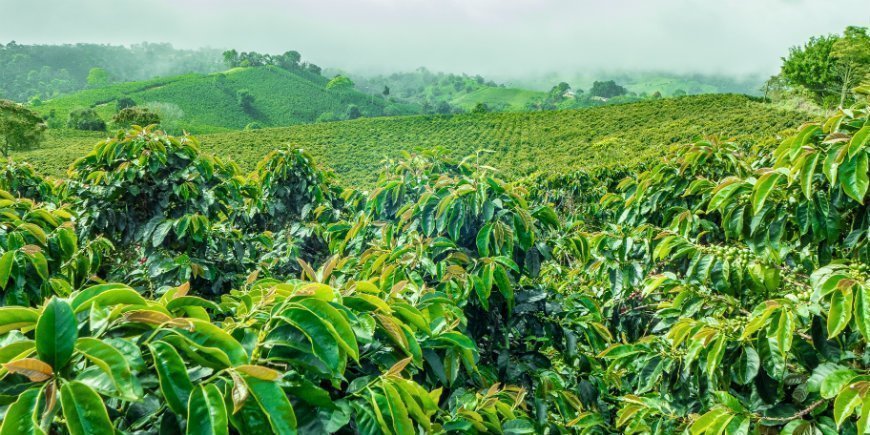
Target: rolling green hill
x,y
209,103
506,99
523,143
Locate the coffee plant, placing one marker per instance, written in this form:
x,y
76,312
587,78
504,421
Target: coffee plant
x,y
723,288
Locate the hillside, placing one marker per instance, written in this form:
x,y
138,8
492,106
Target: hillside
x,y
496,98
209,102
523,142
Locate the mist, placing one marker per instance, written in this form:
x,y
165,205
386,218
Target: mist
x,y
503,39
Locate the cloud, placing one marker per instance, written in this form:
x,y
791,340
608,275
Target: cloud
x,y
491,37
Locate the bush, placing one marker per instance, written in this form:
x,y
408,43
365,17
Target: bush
x,y
253,126
352,112
85,119
124,103
140,116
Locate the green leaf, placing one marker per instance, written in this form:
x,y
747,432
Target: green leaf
x,y
207,412
324,345
397,410
56,333
209,336
862,311
12,318
83,410
112,363
834,382
172,374
845,404
504,286
191,301
67,241
859,141
483,240
336,322
840,312
108,298
808,170
40,264
6,262
22,417
274,403
160,233
763,187
854,178
747,366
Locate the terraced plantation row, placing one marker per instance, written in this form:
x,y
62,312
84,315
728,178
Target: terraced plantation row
x,y
523,143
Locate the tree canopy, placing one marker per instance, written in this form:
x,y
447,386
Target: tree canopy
x,y
20,127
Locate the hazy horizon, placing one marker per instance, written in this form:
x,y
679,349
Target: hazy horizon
x,y
509,39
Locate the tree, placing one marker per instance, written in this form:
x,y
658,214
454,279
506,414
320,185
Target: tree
x,y
289,60
386,91
557,93
443,108
20,127
85,119
339,82
607,89
124,103
245,99
852,59
480,108
140,116
679,93
98,77
231,58
313,69
352,112
829,66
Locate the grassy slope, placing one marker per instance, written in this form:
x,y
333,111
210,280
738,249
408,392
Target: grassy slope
x,y
522,142
281,98
513,99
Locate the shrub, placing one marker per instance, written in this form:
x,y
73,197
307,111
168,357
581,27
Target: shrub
x,y
141,116
85,119
124,103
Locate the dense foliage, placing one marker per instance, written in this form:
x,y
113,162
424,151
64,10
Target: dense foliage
x,y
829,67
20,127
720,289
230,100
524,143
46,71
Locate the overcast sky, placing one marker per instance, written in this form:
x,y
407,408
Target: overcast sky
x,y
495,37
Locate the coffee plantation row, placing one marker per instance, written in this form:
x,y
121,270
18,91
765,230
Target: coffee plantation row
x,y
159,289
522,143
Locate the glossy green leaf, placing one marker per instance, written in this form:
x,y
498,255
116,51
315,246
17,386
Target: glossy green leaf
x,y
56,333
207,412
83,410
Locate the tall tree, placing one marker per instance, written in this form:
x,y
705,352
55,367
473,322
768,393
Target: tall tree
x,y
829,66
20,127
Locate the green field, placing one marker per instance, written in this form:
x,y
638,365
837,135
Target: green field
x,y
523,143
507,99
209,102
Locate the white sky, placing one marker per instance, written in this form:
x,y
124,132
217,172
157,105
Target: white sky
x,y
495,37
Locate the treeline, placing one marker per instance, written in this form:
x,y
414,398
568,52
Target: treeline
x,y
45,71
431,90
290,60
825,70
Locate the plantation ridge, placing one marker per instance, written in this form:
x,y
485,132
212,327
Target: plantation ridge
x,y
519,143
222,242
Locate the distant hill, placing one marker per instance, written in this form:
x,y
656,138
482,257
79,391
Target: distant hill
x,y
500,99
46,71
650,82
523,143
209,102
